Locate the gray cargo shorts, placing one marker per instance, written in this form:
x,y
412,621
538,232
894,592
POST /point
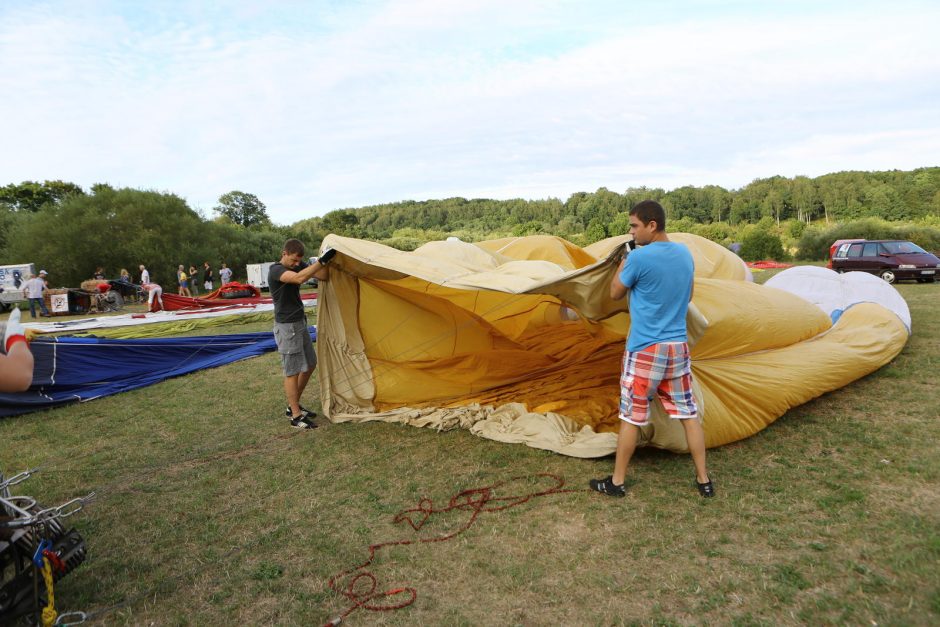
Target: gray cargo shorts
x,y
295,346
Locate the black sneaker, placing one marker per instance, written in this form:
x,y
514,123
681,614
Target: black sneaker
x,y
306,413
607,486
302,422
707,489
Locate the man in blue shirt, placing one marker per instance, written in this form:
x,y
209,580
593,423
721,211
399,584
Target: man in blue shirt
x,y
659,276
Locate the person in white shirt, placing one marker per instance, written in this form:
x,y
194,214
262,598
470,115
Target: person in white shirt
x,y
34,289
144,275
225,273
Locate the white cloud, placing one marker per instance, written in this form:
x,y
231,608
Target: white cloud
x,y
431,98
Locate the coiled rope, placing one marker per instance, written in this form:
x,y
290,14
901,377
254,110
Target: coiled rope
x,y
360,586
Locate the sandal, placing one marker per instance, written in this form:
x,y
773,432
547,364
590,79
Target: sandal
x,y
707,489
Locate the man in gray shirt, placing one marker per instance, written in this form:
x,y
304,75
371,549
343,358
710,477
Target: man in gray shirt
x,y
290,324
34,292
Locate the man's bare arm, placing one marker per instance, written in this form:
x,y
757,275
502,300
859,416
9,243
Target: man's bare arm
x,y
617,289
301,277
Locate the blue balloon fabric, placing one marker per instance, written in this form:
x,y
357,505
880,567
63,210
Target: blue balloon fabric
x,y
74,369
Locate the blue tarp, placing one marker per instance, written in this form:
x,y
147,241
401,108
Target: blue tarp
x,y
70,369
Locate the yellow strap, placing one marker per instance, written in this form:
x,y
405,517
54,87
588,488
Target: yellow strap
x,y
48,613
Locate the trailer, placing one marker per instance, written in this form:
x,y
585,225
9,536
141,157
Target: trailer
x,y
258,274
13,279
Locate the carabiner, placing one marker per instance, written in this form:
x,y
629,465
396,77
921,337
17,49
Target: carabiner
x,y
44,545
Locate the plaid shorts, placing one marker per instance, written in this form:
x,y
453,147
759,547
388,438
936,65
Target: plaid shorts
x,y
663,369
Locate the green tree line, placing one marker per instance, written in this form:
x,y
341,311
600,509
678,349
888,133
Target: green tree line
x,y
123,228
70,232
833,198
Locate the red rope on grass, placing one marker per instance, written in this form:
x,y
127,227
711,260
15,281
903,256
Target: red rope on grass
x,y
475,500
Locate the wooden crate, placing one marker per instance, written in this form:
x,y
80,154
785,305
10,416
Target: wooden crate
x,y
57,301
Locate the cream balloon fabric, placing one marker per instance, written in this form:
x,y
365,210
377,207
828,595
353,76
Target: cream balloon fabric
x,y
518,340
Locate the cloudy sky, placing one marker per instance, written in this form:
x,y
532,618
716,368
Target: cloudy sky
x,y
327,104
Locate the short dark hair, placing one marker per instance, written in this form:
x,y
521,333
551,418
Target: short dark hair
x,y
649,210
294,247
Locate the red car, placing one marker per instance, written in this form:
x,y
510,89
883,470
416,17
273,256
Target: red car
x,y
892,260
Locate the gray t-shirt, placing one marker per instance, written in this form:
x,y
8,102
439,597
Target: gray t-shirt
x,y
287,304
34,287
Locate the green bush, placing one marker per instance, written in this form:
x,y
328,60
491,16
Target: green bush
x,y
403,243
680,225
528,228
760,244
719,232
927,237
595,231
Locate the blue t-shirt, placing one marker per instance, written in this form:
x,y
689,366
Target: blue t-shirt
x,y
659,276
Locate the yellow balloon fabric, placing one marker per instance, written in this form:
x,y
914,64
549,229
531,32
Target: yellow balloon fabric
x,y
518,340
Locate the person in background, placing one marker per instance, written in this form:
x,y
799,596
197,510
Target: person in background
x,y
154,293
144,274
183,282
659,276
99,274
34,292
125,276
207,277
16,360
290,325
225,274
192,281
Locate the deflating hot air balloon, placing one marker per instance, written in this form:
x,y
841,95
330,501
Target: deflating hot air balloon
x,y
518,340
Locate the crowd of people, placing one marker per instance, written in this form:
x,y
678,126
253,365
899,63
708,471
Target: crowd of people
x,y
187,280
37,286
188,284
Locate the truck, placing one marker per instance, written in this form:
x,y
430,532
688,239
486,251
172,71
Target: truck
x,y
13,279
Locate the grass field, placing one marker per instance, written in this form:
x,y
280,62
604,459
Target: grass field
x,y
213,511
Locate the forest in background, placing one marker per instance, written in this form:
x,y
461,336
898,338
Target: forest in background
x,y
70,231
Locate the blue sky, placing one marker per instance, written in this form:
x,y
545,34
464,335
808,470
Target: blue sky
x,y
314,106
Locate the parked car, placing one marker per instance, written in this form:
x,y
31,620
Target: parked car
x,y
836,244
892,260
